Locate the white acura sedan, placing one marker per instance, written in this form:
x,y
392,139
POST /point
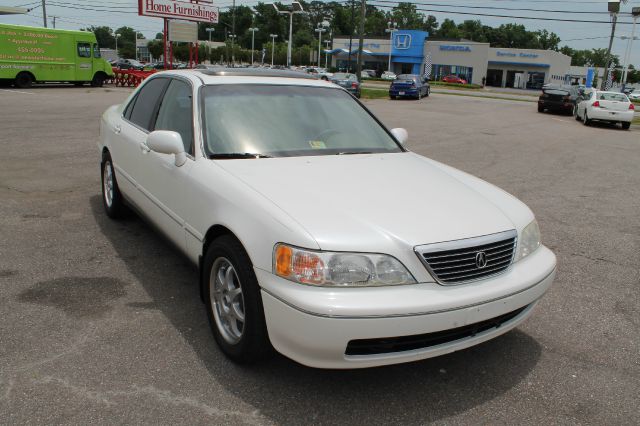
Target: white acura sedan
x,y
315,230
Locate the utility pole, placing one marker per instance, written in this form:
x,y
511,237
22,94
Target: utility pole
x,y
363,7
635,12
253,36
320,30
326,55
54,21
351,35
44,13
273,46
614,8
233,32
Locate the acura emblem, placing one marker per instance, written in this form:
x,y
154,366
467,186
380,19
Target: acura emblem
x,y
481,259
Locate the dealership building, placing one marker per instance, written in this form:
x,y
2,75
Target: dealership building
x,y
411,49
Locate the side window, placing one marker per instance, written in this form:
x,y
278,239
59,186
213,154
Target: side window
x,y
129,108
96,51
176,112
146,105
84,50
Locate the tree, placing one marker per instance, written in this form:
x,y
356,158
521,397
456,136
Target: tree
x,y
104,36
407,16
448,29
472,30
126,42
547,40
155,48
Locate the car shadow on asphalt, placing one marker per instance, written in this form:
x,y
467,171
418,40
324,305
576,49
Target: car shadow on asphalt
x,y
287,392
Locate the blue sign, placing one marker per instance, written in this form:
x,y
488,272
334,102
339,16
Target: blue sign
x,y
590,75
455,48
402,41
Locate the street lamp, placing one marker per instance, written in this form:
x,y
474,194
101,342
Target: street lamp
x,y
326,55
391,28
296,7
321,30
210,30
117,36
635,12
253,37
273,45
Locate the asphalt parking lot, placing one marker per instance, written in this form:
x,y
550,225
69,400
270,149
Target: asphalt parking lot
x,y
101,321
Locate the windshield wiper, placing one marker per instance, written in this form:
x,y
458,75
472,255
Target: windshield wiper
x,y
232,155
354,152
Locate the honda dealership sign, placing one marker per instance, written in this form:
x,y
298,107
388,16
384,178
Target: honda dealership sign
x,y
202,12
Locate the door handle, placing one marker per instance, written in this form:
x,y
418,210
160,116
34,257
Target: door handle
x,y
144,148
117,129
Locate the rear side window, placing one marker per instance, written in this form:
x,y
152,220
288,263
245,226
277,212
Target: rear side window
x,y
96,51
146,104
84,50
176,112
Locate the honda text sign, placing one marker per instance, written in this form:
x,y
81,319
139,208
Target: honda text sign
x,y
202,12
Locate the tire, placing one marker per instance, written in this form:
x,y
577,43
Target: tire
x,y
625,125
23,80
419,96
98,80
428,93
78,83
392,97
231,291
540,109
585,119
111,197
575,113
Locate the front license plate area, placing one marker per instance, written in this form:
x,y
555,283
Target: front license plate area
x,y
400,93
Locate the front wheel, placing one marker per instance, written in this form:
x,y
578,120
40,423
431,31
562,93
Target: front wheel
x,y
234,303
98,80
428,93
392,97
540,109
575,113
585,119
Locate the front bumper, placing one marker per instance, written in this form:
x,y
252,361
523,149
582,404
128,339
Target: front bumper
x,y
314,326
608,115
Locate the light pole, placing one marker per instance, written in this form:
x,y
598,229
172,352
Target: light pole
x,y
273,45
614,8
635,12
210,30
321,29
296,7
326,55
391,28
253,37
117,36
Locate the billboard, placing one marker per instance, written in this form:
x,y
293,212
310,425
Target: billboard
x,y
184,31
201,12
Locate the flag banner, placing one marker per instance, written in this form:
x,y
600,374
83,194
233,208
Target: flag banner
x,y
428,64
609,82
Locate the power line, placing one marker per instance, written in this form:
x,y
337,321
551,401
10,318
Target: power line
x,y
501,8
495,15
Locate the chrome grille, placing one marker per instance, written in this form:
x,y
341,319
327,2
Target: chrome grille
x,y
470,259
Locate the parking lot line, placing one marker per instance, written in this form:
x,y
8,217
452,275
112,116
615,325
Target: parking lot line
x,y
17,91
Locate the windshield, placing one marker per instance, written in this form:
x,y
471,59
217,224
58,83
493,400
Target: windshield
x,y
608,96
286,121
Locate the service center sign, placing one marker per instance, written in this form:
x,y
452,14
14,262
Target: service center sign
x,y
202,12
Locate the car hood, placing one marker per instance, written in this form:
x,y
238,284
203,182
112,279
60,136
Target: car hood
x,y
362,202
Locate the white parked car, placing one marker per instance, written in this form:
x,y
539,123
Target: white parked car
x,y
303,214
613,107
388,75
635,95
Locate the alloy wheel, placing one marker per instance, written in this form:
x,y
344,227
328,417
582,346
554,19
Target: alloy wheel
x,y
107,183
227,301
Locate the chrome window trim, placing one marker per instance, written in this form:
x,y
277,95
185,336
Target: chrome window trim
x,y
464,243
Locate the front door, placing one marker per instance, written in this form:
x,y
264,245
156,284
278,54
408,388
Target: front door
x,y
84,62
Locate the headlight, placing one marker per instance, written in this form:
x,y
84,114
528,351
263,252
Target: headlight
x,y
529,240
322,268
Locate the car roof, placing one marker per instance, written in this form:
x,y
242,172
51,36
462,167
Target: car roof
x,y
250,76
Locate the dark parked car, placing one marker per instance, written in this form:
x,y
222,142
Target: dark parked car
x,y
129,64
558,99
348,81
409,86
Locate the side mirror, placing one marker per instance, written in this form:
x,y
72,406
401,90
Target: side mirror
x,y
167,142
400,134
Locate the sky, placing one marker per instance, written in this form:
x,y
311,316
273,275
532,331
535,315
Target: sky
x,y
75,14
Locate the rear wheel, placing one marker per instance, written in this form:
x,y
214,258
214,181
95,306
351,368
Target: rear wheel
x,y
575,113
625,125
24,80
428,92
419,95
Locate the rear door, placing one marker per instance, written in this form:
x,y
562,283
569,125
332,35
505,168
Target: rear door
x,y
84,61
